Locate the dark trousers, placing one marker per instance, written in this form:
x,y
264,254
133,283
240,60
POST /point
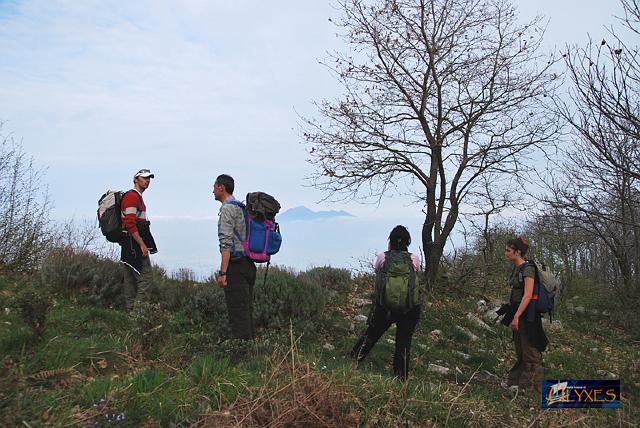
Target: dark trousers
x,y
528,370
379,321
241,276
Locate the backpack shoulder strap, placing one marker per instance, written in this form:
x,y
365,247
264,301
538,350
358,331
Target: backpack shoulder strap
x,y
244,214
236,203
521,270
536,278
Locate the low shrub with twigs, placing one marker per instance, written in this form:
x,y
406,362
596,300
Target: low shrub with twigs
x,y
293,393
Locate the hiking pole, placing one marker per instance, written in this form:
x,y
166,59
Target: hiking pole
x,y
266,271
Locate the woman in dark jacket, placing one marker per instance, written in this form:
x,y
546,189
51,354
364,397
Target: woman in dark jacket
x,y
381,318
528,335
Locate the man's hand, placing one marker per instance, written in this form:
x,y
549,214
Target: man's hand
x,y
514,324
222,281
143,247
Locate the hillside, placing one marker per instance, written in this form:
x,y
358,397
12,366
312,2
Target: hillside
x,y
302,213
165,365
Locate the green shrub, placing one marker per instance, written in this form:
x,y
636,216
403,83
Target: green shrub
x,y
206,303
170,293
330,278
286,297
33,306
152,324
67,270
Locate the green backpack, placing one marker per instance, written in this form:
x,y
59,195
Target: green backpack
x,y
397,288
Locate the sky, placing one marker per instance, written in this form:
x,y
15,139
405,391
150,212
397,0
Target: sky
x,y
96,90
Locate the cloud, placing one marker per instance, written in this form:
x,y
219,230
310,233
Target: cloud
x,y
188,88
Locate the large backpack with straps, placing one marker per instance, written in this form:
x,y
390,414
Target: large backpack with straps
x,y
547,288
397,287
262,238
110,214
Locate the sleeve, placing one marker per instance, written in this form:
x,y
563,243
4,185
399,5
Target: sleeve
x,y
225,228
379,261
416,262
529,271
129,207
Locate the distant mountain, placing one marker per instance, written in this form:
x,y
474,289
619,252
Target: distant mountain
x,y
305,214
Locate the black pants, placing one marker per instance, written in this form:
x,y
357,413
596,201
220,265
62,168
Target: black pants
x,y
379,321
241,276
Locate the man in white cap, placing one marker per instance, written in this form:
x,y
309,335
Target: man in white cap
x,y
138,243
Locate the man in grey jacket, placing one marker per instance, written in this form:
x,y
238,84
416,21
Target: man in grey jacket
x,y
237,274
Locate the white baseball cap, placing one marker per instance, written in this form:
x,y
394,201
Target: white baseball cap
x,y
146,173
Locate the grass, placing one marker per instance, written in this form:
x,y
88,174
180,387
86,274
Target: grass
x,y
88,369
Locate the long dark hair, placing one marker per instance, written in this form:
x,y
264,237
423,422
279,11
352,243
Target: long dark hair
x,y
399,239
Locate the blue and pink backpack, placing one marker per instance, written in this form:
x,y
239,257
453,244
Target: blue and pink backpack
x,y
263,238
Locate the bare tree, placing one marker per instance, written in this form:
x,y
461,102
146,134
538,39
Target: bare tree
x,y
24,209
604,106
83,235
437,94
600,191
602,201
488,201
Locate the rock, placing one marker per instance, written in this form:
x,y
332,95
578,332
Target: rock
x,y
607,374
595,350
579,309
490,315
556,325
478,322
490,375
467,333
362,302
481,305
434,368
361,318
329,347
464,356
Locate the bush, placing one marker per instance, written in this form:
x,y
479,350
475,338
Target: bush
x,y
33,306
25,232
67,270
330,278
205,303
286,297
152,324
171,294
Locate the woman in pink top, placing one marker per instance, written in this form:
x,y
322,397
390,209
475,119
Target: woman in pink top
x,y
380,318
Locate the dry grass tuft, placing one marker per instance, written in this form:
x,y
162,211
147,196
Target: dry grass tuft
x,y
293,394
